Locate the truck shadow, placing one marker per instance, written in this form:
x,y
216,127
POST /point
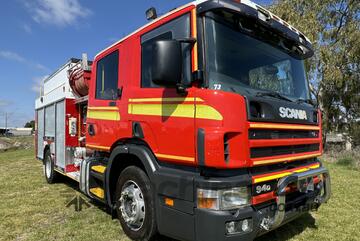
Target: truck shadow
x,y
283,233
290,229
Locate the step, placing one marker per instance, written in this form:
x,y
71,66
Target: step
x,y
98,192
99,168
97,175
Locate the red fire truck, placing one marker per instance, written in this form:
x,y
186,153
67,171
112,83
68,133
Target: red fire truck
x,y
197,126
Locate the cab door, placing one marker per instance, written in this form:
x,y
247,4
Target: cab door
x,y
165,116
106,105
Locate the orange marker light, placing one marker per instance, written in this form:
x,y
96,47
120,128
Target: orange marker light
x,y
169,202
208,203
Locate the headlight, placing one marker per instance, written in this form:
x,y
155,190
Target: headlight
x,y
224,199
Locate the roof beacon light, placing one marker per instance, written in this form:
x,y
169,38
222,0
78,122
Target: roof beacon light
x,y
151,14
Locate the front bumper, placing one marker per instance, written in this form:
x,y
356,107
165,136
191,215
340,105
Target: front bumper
x,y
210,224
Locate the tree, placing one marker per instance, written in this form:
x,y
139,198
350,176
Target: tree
x,y
334,71
30,124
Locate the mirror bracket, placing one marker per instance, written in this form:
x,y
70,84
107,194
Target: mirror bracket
x,y
181,89
187,40
198,75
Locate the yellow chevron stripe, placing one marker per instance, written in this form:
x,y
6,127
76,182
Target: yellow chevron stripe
x,y
106,148
273,177
103,108
207,112
175,110
181,158
97,191
103,115
280,175
286,159
99,168
282,126
172,99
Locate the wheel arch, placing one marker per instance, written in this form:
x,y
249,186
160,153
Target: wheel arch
x,y
126,153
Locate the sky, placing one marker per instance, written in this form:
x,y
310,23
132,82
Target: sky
x,y
39,36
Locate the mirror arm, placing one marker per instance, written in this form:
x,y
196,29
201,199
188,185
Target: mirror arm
x,y
181,89
198,75
187,40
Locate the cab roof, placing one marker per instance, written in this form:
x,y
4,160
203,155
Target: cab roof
x,y
198,2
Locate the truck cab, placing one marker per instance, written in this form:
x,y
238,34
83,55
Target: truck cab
x,y
197,126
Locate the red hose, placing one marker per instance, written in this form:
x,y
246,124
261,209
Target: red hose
x,y
79,81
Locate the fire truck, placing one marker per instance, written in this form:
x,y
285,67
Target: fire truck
x,y
197,126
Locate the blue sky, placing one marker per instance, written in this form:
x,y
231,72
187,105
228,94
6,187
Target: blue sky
x,y
38,36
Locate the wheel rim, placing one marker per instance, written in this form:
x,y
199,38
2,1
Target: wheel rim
x,y
132,205
48,167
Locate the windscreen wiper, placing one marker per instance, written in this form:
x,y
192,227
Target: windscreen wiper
x,y
273,94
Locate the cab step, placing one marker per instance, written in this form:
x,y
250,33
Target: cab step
x,y
99,169
98,192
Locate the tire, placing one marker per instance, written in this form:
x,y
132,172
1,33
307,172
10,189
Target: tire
x,y
133,186
50,174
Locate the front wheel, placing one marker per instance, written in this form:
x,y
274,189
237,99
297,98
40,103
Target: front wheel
x,y
135,204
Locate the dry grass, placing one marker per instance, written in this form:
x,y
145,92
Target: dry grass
x,y
351,159
16,142
30,209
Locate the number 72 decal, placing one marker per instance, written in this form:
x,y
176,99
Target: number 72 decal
x,y
217,86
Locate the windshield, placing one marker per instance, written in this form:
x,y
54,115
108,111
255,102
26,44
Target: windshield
x,y
242,60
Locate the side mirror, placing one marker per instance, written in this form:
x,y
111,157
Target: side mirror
x,y
167,62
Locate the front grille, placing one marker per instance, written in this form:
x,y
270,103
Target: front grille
x,y
282,134
282,150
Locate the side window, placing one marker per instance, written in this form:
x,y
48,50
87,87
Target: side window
x,y
107,70
176,29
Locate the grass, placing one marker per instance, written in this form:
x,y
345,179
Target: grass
x,y
31,209
16,142
350,159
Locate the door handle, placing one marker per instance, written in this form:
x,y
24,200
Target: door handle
x,y
91,130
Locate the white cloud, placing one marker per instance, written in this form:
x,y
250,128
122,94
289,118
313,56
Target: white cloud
x,y
4,103
12,56
41,67
27,28
57,12
38,83
9,55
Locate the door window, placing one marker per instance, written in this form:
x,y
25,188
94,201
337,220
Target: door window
x,y
107,72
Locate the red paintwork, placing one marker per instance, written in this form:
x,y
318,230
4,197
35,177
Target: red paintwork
x,y
283,142
174,135
71,168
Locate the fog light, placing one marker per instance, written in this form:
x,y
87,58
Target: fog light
x,y
236,227
230,227
245,226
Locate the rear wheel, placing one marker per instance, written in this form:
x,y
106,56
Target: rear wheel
x,y
50,174
135,204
